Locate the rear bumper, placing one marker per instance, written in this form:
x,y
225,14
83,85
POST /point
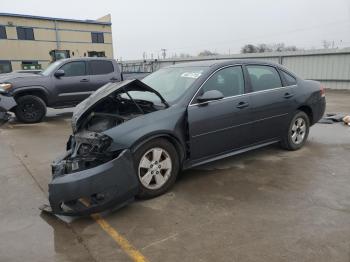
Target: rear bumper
x,y
104,187
6,104
318,109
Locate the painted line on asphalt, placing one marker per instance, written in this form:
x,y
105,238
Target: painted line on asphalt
x,y
123,243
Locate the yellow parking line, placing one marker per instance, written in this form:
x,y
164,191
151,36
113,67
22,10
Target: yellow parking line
x,y
124,244
132,252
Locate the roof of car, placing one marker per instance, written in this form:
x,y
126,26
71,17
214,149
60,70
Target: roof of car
x,y
84,59
209,63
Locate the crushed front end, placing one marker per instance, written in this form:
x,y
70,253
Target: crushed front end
x,y
93,175
89,178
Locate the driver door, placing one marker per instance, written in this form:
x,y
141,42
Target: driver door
x,y
220,126
73,87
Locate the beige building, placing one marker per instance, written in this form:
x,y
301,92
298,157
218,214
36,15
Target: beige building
x,y
32,42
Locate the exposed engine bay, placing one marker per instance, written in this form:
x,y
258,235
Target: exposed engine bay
x,y
115,110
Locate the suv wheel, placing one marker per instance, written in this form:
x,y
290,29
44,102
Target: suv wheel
x,y
298,132
157,166
30,109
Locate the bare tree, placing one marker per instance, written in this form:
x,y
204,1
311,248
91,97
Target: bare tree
x,y
249,48
184,55
326,44
207,53
263,48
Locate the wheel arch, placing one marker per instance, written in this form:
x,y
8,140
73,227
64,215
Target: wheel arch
x,y
36,91
308,111
167,136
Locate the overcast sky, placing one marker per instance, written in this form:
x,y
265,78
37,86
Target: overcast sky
x,y
190,26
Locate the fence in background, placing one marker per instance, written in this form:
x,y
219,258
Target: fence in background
x,y
331,67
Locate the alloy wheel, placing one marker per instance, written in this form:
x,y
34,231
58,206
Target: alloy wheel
x,y
155,168
298,131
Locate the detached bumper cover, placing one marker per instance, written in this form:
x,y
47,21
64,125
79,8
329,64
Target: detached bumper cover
x,y
106,186
6,104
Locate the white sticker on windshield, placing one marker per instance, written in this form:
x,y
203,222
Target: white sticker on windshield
x,y
191,75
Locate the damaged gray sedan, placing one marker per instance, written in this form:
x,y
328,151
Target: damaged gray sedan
x,y
131,139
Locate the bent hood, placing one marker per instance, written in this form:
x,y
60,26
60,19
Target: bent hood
x,y
84,108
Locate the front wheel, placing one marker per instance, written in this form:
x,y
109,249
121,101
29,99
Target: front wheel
x,y
157,165
298,132
30,109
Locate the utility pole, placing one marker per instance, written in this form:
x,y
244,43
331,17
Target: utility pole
x,y
163,53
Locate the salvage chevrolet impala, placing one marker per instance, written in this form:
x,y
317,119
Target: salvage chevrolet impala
x,y
131,139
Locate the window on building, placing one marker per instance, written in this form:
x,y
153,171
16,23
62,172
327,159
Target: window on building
x,y
97,37
25,33
3,34
263,77
5,67
101,67
229,81
290,80
74,69
96,54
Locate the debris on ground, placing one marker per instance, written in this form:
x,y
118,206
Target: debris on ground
x,y
331,118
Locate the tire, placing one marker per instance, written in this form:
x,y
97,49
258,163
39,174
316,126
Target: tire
x,y
154,177
30,109
298,131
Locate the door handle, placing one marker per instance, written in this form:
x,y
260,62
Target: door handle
x,y
288,95
84,80
242,105
114,79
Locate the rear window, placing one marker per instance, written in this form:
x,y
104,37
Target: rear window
x,y
101,67
263,77
290,80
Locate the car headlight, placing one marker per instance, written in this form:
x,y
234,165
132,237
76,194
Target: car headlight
x,y
4,87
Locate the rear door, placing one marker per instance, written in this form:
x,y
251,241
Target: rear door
x,y
74,85
220,126
271,103
101,72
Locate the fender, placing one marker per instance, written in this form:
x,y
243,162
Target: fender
x,y
179,146
26,89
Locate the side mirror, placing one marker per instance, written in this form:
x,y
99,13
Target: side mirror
x,y
59,73
210,96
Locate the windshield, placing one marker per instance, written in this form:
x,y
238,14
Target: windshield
x,y
171,82
50,68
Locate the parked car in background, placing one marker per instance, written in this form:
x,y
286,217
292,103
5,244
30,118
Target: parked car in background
x,y
64,83
133,138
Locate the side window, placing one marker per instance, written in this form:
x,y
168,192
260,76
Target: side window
x,y
289,79
263,77
101,67
74,69
229,81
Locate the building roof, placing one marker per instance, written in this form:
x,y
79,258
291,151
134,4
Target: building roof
x,y
57,19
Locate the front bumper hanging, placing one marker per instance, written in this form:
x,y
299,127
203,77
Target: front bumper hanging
x,y
107,186
6,104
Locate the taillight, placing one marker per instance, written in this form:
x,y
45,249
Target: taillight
x,y
323,91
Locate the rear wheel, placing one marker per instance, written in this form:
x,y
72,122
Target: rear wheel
x,y
298,132
157,165
30,109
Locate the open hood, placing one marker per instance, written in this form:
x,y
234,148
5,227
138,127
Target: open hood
x,y
84,108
